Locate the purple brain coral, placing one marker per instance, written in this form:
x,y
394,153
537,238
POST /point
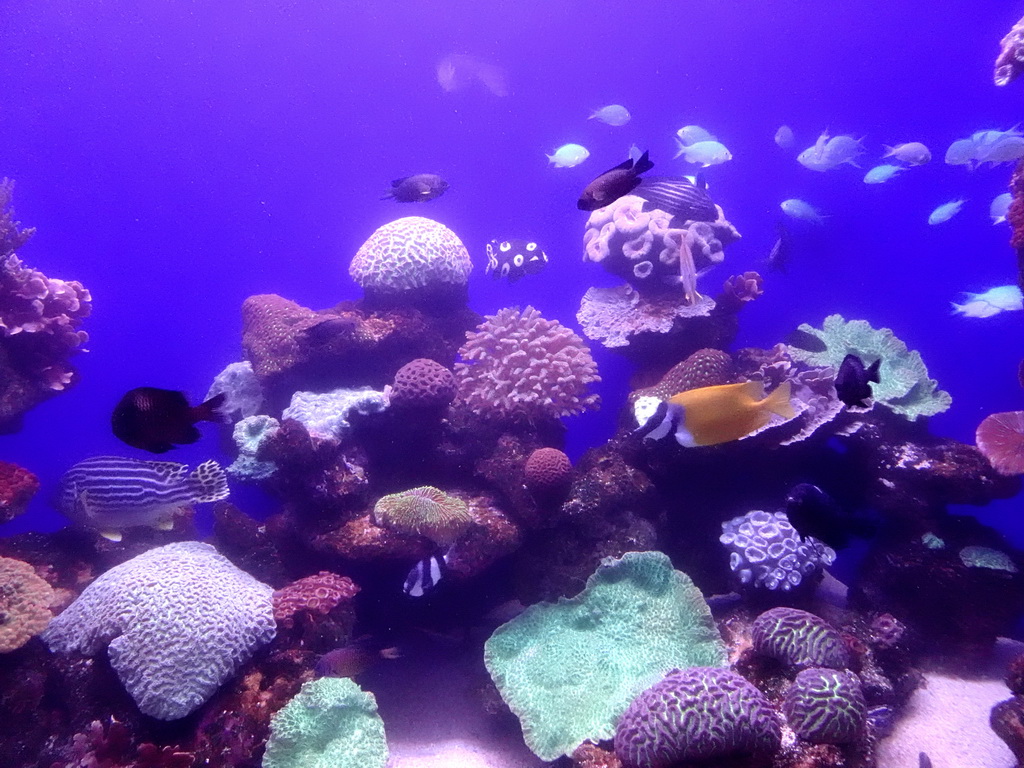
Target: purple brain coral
x,y
409,253
517,364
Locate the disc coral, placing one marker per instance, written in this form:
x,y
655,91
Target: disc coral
x,y
424,511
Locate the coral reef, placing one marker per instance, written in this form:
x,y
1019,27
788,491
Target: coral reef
x,y
701,713
409,253
318,594
798,639
249,435
569,669
424,511
178,621
328,415
517,364
25,603
1010,61
548,476
423,385
615,316
1000,438
243,395
17,487
825,706
703,368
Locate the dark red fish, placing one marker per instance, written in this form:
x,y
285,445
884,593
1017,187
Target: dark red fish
x,y
614,183
157,420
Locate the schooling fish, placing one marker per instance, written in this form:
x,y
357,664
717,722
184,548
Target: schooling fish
x,y
798,209
706,153
568,156
686,200
425,575
945,212
853,381
691,134
514,259
614,183
1000,207
110,493
882,173
157,420
1002,298
417,189
712,415
911,153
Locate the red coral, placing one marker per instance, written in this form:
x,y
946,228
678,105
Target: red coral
x,y
423,383
319,594
17,487
549,475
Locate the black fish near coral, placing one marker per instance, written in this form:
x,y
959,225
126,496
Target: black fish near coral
x,y
514,259
417,189
806,341
157,420
614,183
853,382
685,200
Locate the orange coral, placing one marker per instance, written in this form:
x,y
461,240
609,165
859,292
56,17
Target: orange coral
x,y
25,601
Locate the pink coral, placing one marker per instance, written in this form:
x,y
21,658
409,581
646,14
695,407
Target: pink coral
x,y
1000,437
519,364
17,487
423,383
319,594
1010,62
548,474
704,368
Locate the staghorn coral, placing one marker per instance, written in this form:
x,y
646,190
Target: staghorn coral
x,y
17,487
798,639
178,620
1010,61
409,253
904,387
517,364
767,552
825,706
423,384
25,601
1000,438
615,316
424,511
312,595
700,713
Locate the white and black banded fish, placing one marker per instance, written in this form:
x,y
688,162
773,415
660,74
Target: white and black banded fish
x,y
678,196
111,493
425,574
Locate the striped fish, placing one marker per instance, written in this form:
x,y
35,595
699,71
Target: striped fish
x,y
678,196
425,574
110,493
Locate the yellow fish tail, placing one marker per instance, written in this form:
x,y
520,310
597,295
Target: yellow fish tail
x,y
778,401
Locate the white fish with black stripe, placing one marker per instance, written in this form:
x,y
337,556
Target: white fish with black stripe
x,y
425,575
111,493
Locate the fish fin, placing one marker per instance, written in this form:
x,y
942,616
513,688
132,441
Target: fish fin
x,y
778,401
111,535
889,151
872,371
388,196
958,309
643,165
208,482
210,410
681,148
626,165
753,389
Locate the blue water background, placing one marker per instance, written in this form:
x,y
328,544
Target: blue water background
x,y
177,157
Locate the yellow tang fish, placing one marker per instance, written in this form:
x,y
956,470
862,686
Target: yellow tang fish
x,y
712,415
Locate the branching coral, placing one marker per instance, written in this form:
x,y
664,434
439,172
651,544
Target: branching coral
x,y
409,253
519,364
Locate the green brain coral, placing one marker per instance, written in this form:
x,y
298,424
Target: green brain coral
x,y
424,511
569,669
330,723
904,387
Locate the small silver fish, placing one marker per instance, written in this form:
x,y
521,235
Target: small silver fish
x,y
614,114
945,212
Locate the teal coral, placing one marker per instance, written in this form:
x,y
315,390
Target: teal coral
x,y
330,723
569,669
904,386
986,557
249,434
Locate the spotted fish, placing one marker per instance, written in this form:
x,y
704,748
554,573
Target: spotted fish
x,y
111,493
684,199
513,259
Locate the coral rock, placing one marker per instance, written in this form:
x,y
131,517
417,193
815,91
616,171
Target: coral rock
x,y
825,706
17,487
1007,720
1010,62
798,639
318,594
1000,437
25,601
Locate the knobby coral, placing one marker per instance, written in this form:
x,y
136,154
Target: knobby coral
x,y
424,511
409,253
517,364
25,601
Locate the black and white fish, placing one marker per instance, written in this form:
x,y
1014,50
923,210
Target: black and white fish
x,y
614,183
686,200
417,189
513,259
853,381
425,575
111,493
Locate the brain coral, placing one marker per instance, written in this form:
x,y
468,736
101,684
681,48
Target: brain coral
x,y
424,511
423,383
412,252
701,713
519,364
330,723
25,601
825,706
548,474
904,386
704,368
317,594
798,639
767,552
569,669
179,620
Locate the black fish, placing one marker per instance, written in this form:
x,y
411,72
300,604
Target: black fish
x,y
158,420
853,381
515,258
813,512
424,575
805,341
417,189
679,196
923,761
614,183
778,257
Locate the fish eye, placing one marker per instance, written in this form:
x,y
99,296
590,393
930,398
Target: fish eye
x,y
518,259
506,246
531,246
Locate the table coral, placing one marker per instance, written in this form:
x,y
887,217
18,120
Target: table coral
x,y
825,706
569,669
25,601
798,639
179,620
17,487
409,253
615,316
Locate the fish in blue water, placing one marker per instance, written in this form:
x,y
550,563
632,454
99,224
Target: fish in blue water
x,y
157,420
425,575
614,114
814,512
806,341
111,493
945,212
798,209
784,137
1000,207
778,256
417,189
683,198
353,659
853,381
614,183
882,173
514,259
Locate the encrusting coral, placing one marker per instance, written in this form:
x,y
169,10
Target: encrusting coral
x,y
25,601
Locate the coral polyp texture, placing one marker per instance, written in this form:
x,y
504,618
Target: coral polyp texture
x,y
1010,61
517,364
328,415
249,435
25,601
904,386
1000,438
424,511
423,383
798,639
548,473
409,253
17,487
330,723
703,368
701,713
825,706
177,620
568,670
767,552
319,594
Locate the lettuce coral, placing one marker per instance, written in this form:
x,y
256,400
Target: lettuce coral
x,y
569,669
904,387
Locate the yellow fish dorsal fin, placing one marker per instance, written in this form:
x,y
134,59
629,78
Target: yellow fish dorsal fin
x,y
753,389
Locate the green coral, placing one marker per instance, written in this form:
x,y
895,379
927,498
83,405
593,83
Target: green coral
x,y
569,669
986,557
330,723
424,511
904,386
